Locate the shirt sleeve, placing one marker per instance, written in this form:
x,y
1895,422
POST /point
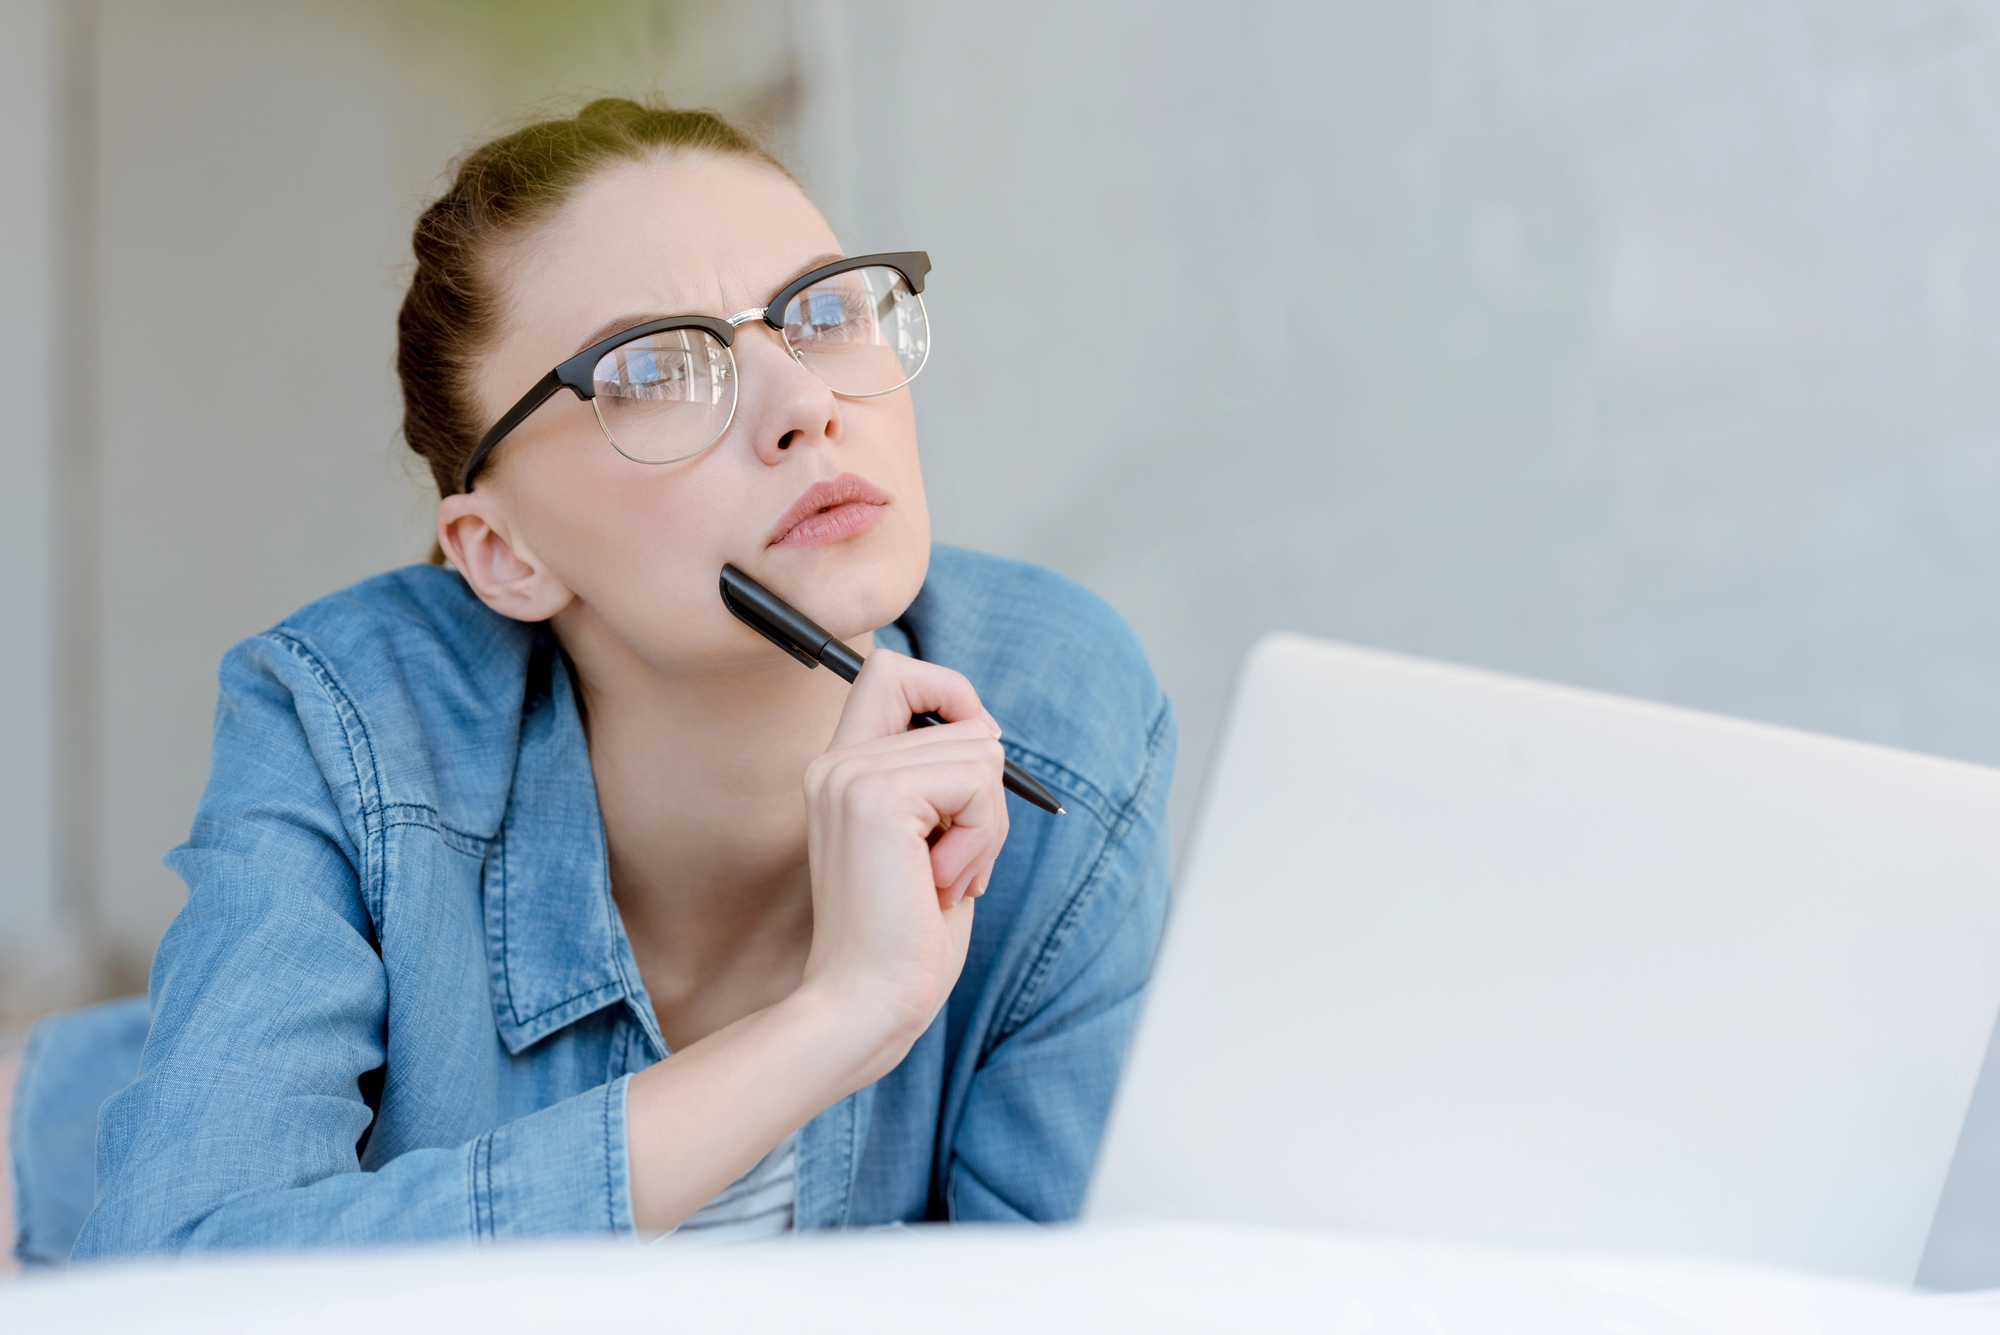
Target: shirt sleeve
x,y
1036,1107
269,1009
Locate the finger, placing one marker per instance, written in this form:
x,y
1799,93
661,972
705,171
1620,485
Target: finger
x,y
968,849
962,780
892,687
957,863
958,925
957,805
919,745
902,761
961,887
949,896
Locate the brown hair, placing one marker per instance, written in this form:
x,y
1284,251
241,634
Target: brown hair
x,y
498,191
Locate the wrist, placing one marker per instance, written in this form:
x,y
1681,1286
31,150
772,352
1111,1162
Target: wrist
x,y
856,1031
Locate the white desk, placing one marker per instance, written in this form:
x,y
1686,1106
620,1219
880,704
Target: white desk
x,y
1101,1278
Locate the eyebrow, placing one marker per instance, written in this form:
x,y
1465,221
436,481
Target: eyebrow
x,y
632,321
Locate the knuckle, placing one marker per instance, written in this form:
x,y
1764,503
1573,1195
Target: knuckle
x,y
842,777
868,789
829,773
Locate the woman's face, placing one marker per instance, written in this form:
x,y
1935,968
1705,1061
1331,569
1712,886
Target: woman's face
x,y
637,548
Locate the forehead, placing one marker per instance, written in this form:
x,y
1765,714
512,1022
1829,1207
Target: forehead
x,y
683,235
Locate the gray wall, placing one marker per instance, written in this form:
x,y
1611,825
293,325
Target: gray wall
x,y
1648,348
1645,348
251,193
34,930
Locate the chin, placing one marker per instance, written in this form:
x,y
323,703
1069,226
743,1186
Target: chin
x,y
853,587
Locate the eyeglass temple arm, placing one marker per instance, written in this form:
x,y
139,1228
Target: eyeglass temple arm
x,y
516,415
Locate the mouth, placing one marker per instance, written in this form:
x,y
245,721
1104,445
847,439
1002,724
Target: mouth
x,y
830,511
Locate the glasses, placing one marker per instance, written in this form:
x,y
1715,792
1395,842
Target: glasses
x,y
665,390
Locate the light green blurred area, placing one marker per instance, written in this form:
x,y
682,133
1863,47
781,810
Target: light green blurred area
x,y
519,55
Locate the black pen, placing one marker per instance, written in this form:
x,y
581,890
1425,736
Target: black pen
x,y
804,639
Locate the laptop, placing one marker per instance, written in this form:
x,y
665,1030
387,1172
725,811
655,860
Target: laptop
x,y
1458,955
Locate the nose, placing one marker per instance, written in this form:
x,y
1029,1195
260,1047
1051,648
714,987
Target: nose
x,y
787,404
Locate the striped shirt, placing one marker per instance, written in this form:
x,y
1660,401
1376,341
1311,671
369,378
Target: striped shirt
x,y
756,1205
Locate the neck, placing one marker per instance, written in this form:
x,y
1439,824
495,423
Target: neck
x,y
700,778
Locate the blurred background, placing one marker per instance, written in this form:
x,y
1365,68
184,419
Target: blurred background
x,y
1644,347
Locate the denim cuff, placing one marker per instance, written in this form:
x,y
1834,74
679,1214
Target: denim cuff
x,y
74,1060
560,1170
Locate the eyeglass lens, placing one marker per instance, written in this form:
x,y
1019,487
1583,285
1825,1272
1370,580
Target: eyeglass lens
x,y
863,332
669,396
665,396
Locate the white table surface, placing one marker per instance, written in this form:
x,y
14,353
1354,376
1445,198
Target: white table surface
x,y
1126,1277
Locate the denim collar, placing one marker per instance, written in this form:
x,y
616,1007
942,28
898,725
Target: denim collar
x,y
555,943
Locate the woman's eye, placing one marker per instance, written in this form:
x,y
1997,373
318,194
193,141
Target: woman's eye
x,y
831,315
647,374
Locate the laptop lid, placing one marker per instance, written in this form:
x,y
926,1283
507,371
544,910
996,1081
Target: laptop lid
x,y
1460,955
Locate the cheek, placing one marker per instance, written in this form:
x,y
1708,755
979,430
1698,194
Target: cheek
x,y
642,545
885,432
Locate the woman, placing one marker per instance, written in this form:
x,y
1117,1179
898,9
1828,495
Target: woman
x,y
539,895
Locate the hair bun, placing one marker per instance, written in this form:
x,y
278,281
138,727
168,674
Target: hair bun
x,y
611,111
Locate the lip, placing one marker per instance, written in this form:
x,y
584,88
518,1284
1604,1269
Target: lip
x,y
831,510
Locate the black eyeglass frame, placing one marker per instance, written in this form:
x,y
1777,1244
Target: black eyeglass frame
x,y
575,374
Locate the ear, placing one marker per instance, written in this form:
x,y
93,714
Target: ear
x,y
474,531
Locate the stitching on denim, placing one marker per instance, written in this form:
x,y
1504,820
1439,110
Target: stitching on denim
x,y
601,996
498,862
798,1176
367,779
852,1165
450,838
482,1188
1067,922
598,995
1161,721
615,927
1092,796
610,1198
1088,795
1051,951
425,816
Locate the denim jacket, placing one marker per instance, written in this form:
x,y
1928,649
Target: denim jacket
x,y
399,1004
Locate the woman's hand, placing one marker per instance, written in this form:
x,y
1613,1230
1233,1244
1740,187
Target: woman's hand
x,y
892,915
902,828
